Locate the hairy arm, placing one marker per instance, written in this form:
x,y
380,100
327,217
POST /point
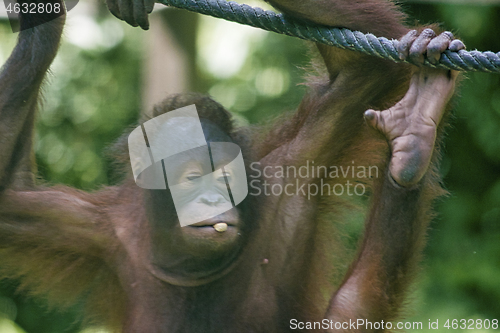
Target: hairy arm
x,y
331,127
332,109
53,239
20,82
354,15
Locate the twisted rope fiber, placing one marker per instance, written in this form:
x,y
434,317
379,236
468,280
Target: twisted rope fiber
x,y
381,47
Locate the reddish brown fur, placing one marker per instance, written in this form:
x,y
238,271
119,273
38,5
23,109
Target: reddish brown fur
x,y
66,244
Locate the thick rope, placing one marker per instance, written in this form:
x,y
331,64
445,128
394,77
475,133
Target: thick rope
x,y
346,39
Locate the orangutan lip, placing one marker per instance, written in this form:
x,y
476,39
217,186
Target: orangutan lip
x,y
211,223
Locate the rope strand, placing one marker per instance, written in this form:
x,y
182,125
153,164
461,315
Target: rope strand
x,y
473,61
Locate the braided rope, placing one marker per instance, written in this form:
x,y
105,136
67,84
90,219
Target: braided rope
x,y
343,38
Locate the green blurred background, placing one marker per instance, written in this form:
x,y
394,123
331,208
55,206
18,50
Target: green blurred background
x,y
101,81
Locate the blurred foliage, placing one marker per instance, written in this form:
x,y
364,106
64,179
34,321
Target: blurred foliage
x,y
94,94
262,81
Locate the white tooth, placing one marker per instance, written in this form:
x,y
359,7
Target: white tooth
x,y
220,227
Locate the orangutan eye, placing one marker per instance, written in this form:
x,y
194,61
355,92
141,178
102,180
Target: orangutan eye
x,y
222,178
192,176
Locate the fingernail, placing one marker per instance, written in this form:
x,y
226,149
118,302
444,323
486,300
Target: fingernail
x,y
369,115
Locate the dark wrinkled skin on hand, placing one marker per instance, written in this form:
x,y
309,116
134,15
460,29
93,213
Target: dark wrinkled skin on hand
x,y
134,12
417,47
410,126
